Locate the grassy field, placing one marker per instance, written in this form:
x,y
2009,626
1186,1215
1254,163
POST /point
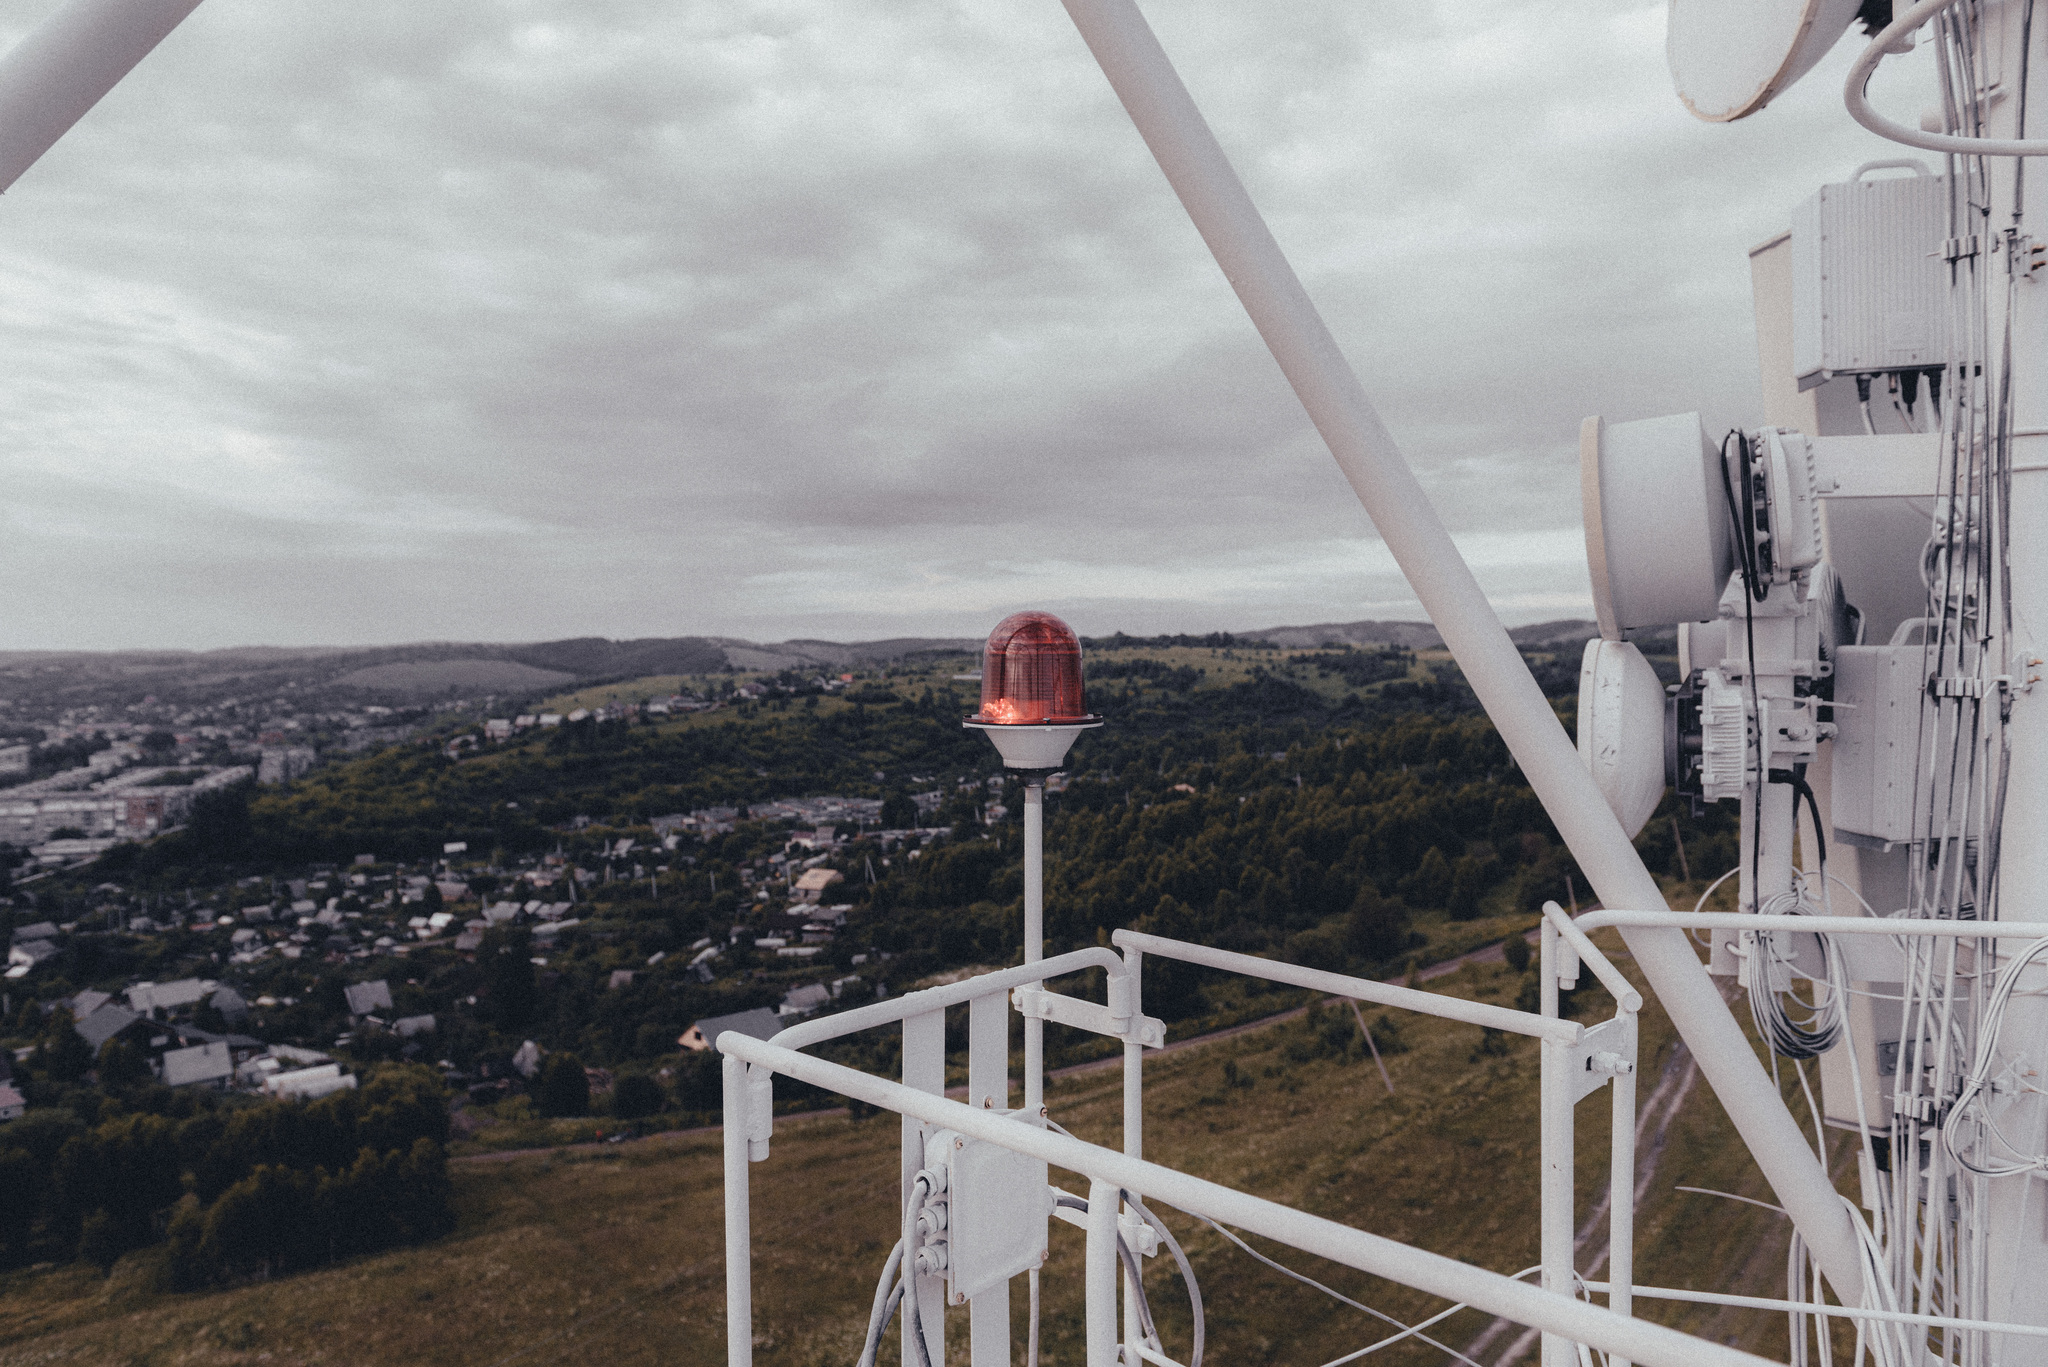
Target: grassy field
x,y
614,1253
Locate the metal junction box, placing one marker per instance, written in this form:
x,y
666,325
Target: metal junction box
x,y
1001,1209
1881,692
1870,278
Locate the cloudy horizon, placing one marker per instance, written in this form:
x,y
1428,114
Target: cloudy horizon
x,y
516,320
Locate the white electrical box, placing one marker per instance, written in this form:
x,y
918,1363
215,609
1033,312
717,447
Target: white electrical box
x,y
1000,1212
1870,278
1881,693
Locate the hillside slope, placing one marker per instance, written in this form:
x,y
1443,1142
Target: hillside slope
x,y
615,1253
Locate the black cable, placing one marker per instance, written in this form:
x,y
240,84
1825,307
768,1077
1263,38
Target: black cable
x,y
1751,574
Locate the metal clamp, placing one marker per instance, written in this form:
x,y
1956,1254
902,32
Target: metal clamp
x,y
1039,1004
1608,1050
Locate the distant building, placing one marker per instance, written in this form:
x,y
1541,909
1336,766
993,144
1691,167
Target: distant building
x,y
527,1059
282,764
498,728
802,1001
12,1103
14,759
233,1009
201,1065
760,1023
621,977
105,1022
405,1027
22,958
811,886
364,998
309,1084
150,998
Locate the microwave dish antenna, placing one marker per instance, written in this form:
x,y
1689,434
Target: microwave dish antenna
x,y
1730,58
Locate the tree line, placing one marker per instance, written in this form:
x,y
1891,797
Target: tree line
x,y
226,1188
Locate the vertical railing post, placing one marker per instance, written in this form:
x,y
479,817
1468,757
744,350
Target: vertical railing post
x,y
1556,1156
1621,1188
1101,1274
924,1067
1134,1113
988,1087
1034,937
739,1247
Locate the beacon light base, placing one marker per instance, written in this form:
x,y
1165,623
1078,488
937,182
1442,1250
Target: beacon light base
x,y
1029,748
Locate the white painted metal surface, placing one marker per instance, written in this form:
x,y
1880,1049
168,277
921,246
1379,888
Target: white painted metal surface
x,y
1621,729
1658,546
1869,287
1730,58
50,79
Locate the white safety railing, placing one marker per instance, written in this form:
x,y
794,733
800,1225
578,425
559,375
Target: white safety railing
x,y
1575,1061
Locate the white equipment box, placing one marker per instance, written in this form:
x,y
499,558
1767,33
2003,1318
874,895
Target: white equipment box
x,y
1882,695
1870,278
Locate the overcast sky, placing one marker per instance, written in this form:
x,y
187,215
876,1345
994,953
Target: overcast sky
x,y
523,319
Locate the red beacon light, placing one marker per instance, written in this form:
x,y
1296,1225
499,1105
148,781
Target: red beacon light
x,y
1031,691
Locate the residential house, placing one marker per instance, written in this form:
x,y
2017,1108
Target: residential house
x,y
202,1065
23,957
105,1023
760,1023
12,1103
364,998
405,1027
802,1001
84,1003
810,887
150,998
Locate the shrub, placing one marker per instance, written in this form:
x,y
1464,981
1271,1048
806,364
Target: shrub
x,y
636,1096
563,1090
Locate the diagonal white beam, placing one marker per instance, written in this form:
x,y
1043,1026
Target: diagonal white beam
x,y
52,77
1187,151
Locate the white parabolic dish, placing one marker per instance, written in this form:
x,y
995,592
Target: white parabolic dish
x,y
1729,58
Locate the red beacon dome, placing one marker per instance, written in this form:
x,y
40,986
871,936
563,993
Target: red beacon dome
x,y
1031,673
1031,691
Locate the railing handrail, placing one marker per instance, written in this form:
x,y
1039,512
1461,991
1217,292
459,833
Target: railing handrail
x,y
1816,925
1623,991
811,1032
1639,1340
1483,1014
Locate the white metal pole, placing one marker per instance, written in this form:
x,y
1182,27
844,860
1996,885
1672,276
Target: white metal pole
x,y
1621,1187
1101,1273
1555,1153
1134,1116
50,79
1034,937
739,1235
1186,150
924,1068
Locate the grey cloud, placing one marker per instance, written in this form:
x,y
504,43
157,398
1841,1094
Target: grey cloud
x,y
788,317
